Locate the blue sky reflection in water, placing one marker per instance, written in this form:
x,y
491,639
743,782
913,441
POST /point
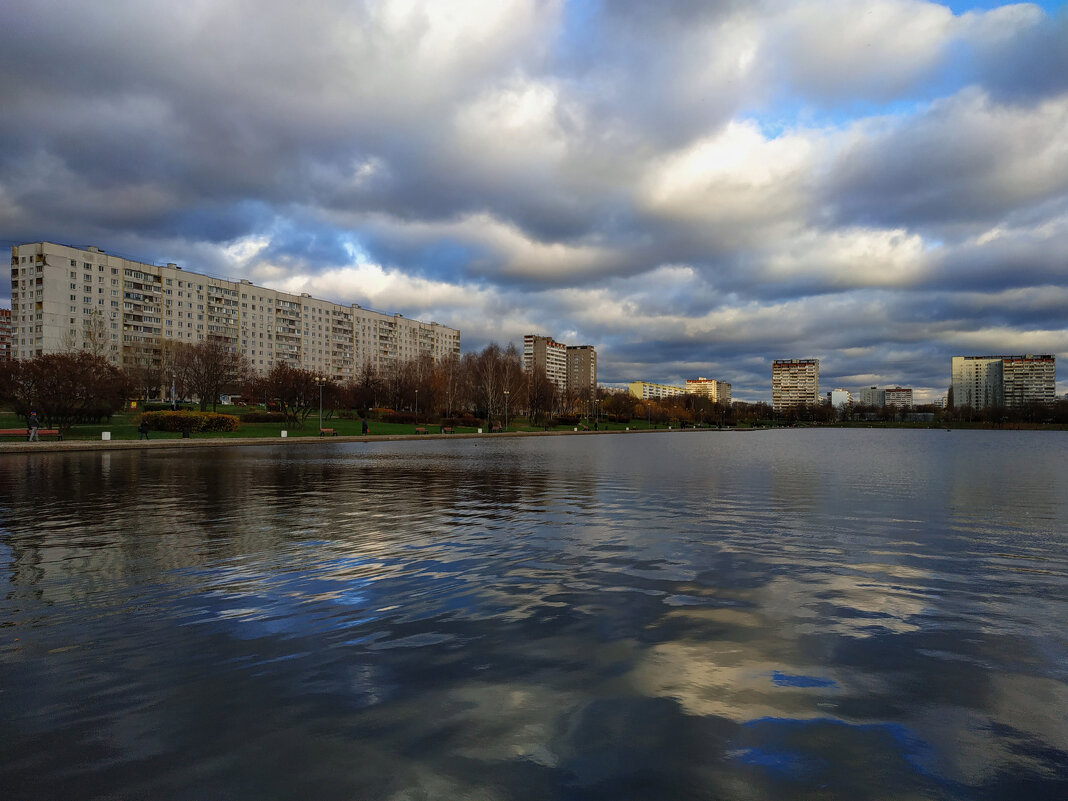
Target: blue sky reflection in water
x,y
833,614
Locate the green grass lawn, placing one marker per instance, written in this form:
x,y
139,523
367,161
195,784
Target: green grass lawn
x,y
124,426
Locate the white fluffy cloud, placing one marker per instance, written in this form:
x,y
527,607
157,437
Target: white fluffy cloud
x,y
681,184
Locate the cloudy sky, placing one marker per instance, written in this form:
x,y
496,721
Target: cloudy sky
x,y
695,188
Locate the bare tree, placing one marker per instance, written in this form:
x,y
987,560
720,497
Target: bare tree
x,y
65,388
294,390
541,395
209,368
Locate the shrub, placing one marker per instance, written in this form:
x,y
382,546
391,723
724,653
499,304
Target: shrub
x,y
619,418
164,407
194,421
567,420
263,417
400,417
467,421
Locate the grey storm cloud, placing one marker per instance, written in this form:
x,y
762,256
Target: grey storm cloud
x,y
689,186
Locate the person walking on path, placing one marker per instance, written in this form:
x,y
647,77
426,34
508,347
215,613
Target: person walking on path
x,y
364,427
33,424
142,430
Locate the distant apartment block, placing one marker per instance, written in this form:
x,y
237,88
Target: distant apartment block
x,y
986,381
840,398
646,390
873,396
794,382
898,397
582,370
5,335
569,367
549,355
63,297
716,391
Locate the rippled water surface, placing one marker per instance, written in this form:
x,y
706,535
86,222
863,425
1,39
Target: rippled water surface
x,y
771,615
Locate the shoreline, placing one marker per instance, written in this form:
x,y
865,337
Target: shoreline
x,y
70,446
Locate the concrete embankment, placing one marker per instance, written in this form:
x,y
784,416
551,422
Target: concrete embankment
x,y
50,446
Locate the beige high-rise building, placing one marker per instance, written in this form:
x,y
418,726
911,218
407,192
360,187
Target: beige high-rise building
x,y
582,370
570,367
794,382
549,355
986,381
64,297
717,391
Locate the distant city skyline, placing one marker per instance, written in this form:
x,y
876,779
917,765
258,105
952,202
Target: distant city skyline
x,y
692,189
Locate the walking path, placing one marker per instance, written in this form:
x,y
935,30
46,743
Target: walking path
x,y
222,442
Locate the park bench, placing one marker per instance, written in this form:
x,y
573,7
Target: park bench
x,y
25,433
327,432
420,430
583,427
446,429
497,429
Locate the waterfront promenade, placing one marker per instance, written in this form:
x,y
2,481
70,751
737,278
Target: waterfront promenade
x,y
206,441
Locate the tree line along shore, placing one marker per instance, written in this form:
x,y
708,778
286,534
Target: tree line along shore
x,y
81,395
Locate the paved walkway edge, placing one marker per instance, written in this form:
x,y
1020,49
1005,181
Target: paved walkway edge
x,y
11,448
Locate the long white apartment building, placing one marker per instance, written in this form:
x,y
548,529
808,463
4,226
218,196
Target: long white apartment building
x,y
65,298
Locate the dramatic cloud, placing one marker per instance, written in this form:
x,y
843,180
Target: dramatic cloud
x,y
695,188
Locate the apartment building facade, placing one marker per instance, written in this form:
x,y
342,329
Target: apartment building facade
x,y
990,381
898,397
5,335
549,355
716,391
64,297
571,368
582,370
647,390
794,382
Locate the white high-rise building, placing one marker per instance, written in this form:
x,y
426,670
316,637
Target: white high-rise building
x,y
985,381
65,297
899,397
840,398
873,396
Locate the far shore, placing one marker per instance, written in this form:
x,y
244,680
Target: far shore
x,y
221,442
171,441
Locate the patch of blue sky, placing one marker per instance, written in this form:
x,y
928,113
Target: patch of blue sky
x,y
322,246
964,6
796,114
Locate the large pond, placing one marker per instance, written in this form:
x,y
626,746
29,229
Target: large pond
x,y
771,615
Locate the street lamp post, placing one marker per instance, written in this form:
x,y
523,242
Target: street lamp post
x,y
506,410
320,380
417,406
